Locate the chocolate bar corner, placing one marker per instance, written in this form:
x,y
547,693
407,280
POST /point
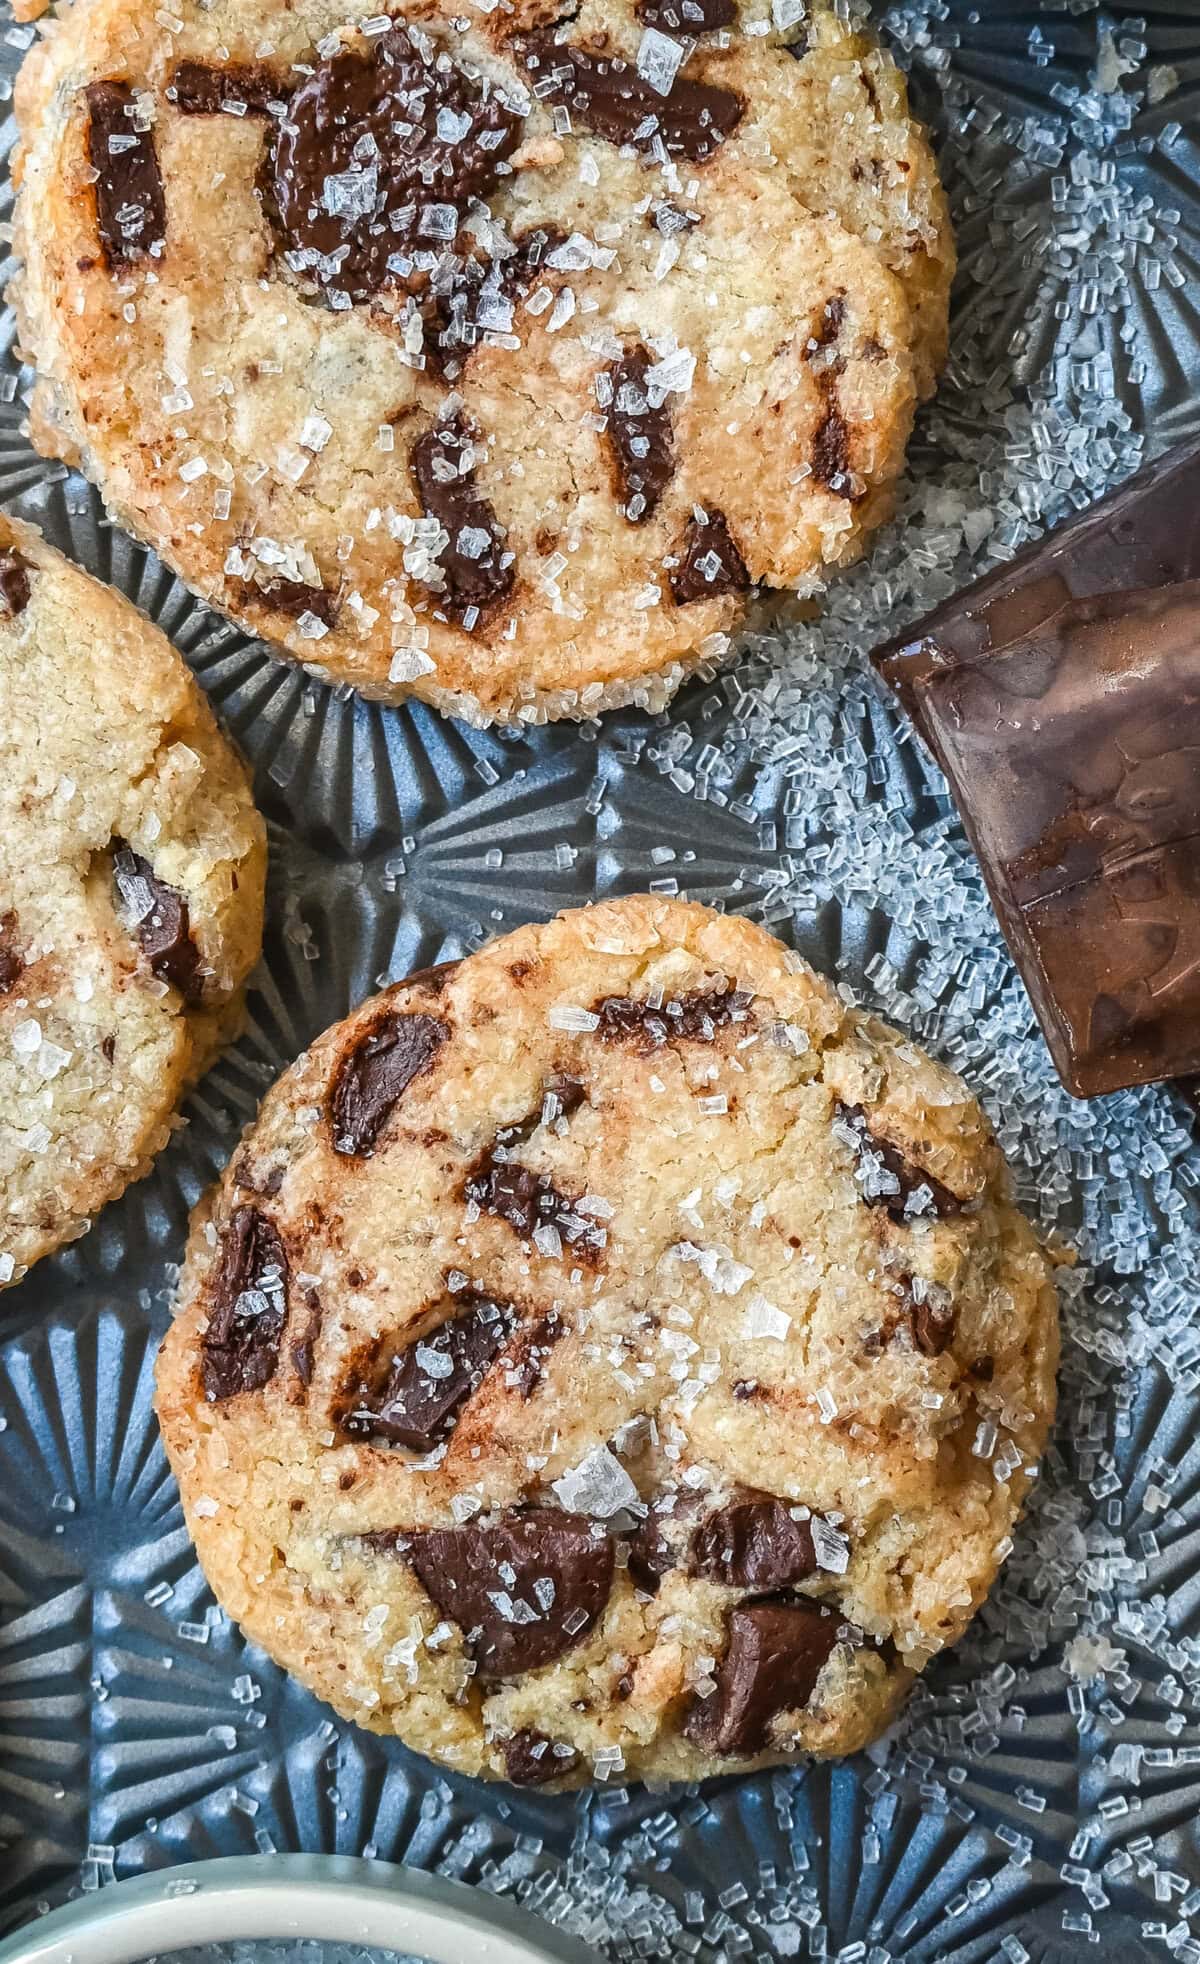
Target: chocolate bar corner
x,y
1061,696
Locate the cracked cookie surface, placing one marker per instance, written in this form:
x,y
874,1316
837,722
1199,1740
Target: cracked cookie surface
x,y
493,361
611,1354
131,894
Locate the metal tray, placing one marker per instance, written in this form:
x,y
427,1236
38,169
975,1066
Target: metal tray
x,y
1040,1797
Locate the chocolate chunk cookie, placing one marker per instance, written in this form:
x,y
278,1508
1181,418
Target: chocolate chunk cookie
x,y
131,892
611,1357
534,342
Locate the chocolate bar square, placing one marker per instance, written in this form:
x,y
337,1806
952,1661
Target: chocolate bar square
x,y
1064,709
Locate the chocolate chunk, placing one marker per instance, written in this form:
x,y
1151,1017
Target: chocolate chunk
x,y
754,1542
774,1656
382,153
373,1075
1069,728
477,571
530,1759
131,213
640,435
524,1588
608,95
694,1018
686,16
432,979
14,582
12,961
711,563
410,1395
829,327
931,1318
887,1179
198,90
240,1348
305,1348
500,1185
292,597
651,1554
831,450
158,915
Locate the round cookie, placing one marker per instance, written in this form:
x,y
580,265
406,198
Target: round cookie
x,y
611,1353
131,894
490,358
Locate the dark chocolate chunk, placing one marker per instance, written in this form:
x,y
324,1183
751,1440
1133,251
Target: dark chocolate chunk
x,y
651,1554
197,89
754,1542
131,213
931,1319
711,563
305,1348
608,95
433,979
158,915
292,597
373,1075
240,1348
382,153
640,435
695,1018
499,1184
773,1658
14,582
887,1179
530,1759
410,1395
477,570
829,327
686,16
12,961
1069,728
524,1588
831,450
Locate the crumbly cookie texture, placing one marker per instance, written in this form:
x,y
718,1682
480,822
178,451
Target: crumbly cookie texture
x,y
611,1354
490,359
131,894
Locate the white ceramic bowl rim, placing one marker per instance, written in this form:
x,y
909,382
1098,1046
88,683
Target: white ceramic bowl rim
x,y
334,1898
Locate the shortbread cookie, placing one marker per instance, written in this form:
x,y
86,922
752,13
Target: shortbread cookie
x,y
131,893
487,355
611,1354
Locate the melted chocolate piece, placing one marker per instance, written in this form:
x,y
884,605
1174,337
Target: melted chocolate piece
x,y
131,213
240,1348
608,96
14,582
530,1759
477,571
382,153
829,327
772,1661
160,919
686,16
711,563
198,90
831,449
640,437
651,1554
1067,720
411,1396
524,1588
754,1542
373,1075
693,1018
932,1323
501,1186
291,597
305,1347
12,962
891,1180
